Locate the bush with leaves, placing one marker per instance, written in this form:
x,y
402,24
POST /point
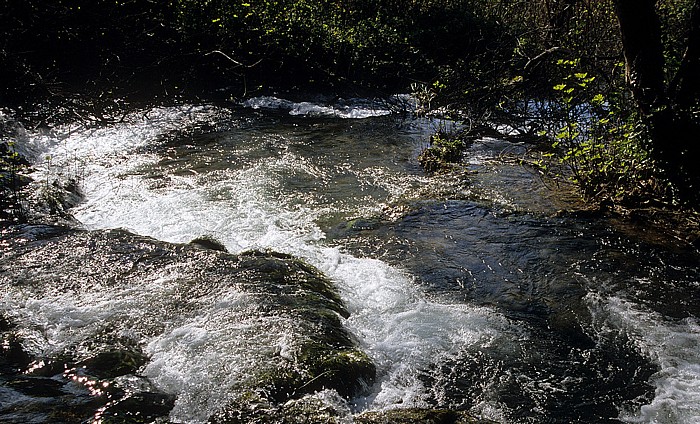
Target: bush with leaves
x,y
598,143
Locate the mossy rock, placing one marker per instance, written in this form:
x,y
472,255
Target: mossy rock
x,y
113,363
415,416
318,366
248,407
350,372
286,270
251,407
303,347
209,243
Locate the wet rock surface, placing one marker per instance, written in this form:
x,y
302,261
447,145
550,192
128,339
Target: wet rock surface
x,y
413,415
104,321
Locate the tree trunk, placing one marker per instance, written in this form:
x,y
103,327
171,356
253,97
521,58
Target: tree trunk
x,y
641,40
686,84
673,133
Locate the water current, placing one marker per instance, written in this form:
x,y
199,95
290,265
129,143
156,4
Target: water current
x,y
469,291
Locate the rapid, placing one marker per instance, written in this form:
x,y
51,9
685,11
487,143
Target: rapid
x,y
473,291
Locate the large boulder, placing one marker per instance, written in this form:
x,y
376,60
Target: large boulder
x,y
194,332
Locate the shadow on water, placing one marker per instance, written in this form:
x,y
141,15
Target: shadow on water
x,y
539,270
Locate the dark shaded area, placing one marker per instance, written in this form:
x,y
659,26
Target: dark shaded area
x,y
412,415
12,168
90,59
83,58
669,109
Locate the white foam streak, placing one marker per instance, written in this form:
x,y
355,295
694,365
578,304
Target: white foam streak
x,y
674,347
405,333
247,220
66,144
351,110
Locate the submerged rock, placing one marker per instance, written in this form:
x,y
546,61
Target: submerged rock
x,y
253,408
204,327
136,409
114,362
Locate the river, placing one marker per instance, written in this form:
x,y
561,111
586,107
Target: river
x,y
473,291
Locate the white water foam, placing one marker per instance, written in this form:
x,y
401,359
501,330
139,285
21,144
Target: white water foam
x,y
201,357
404,332
204,358
353,109
673,345
67,143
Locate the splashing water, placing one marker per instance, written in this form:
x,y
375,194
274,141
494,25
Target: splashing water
x,y
258,181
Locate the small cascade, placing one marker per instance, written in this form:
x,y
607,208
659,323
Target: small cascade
x,y
465,295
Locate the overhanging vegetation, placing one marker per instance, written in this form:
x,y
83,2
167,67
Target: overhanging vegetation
x,y
553,69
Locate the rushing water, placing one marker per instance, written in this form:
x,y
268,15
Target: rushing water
x,y
467,292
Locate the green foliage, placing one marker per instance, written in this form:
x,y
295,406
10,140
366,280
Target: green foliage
x,y
674,15
491,59
445,149
600,143
369,41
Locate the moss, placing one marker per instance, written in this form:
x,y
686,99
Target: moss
x,y
423,416
349,371
286,270
251,407
309,410
319,352
318,365
279,383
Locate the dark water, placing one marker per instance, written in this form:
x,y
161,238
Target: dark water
x,y
469,291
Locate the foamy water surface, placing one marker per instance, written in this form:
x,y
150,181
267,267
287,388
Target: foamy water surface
x,y
252,182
